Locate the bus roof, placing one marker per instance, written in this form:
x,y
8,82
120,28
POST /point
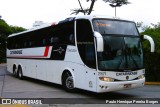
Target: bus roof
x,y
89,17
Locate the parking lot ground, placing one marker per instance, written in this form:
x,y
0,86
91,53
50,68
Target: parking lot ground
x,y
11,87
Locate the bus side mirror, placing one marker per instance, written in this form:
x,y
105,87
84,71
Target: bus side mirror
x,y
99,41
151,41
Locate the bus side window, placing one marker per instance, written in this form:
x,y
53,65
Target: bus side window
x,y
25,44
43,42
10,43
51,40
71,38
30,44
65,33
54,40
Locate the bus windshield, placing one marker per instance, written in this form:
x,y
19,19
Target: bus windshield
x,y
122,46
115,27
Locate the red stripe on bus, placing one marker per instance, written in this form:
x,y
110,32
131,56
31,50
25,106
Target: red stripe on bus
x,y
46,51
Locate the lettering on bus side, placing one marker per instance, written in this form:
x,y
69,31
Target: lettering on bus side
x,y
71,50
16,52
125,73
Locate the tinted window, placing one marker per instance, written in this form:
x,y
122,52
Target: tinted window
x,y
60,34
85,43
121,53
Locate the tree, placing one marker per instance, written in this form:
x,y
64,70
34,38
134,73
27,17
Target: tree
x,y
91,6
113,3
76,11
82,10
6,30
152,63
117,3
16,29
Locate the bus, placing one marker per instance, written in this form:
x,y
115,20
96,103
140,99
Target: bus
x,y
94,53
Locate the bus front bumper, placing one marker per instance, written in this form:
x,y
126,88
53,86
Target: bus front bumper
x,y
121,85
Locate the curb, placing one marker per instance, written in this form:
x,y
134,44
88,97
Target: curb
x,y
152,83
14,105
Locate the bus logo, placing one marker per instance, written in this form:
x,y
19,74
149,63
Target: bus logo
x,y
127,77
59,50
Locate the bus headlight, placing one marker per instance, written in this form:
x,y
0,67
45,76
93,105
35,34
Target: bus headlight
x,y
106,79
141,77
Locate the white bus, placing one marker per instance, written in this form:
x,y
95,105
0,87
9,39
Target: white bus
x,y
94,53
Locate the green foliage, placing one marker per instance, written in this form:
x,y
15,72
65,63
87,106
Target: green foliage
x,y
152,63
5,31
16,29
4,28
154,32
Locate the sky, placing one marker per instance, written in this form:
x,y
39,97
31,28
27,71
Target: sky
x,y
24,13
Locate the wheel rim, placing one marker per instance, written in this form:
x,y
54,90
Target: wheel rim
x,y
14,72
20,73
69,83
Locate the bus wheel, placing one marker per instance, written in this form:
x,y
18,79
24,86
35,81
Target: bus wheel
x,y
68,82
20,73
15,71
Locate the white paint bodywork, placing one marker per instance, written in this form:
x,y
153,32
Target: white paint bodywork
x,y
51,70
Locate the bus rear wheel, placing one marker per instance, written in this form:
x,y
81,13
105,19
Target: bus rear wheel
x,y
68,82
15,71
20,73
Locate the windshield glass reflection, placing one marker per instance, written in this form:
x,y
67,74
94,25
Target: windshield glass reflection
x,y
120,53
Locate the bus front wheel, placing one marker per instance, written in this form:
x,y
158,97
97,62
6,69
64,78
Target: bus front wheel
x,y
68,82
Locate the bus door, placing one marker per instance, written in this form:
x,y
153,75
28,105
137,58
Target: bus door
x,y
86,48
90,67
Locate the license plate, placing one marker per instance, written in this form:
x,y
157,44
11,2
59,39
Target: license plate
x,y
127,85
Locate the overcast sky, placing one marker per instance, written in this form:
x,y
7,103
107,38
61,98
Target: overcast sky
x,y
25,12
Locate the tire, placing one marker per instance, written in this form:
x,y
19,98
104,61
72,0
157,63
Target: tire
x,y
20,73
68,82
15,71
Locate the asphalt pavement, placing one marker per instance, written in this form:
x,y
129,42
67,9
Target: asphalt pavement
x,y
11,87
